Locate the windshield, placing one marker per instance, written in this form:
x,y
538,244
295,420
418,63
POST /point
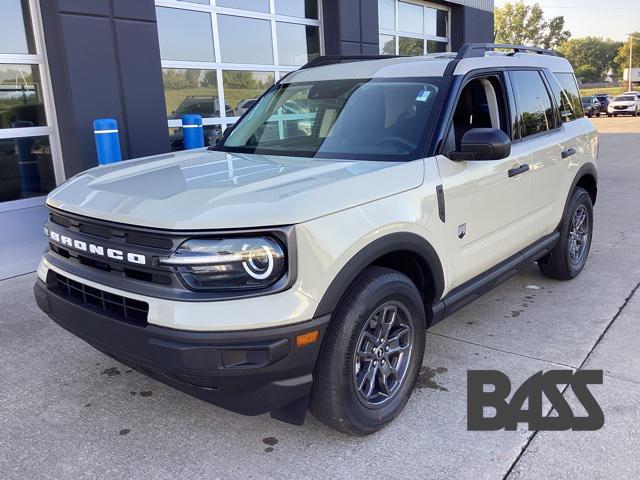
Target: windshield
x,y
602,98
372,119
586,100
624,98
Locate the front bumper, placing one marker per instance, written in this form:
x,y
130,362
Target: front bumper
x,y
250,372
621,110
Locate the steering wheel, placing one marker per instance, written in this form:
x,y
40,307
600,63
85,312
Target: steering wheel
x,y
398,141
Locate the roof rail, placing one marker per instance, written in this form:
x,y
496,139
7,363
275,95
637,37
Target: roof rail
x,y
331,59
470,50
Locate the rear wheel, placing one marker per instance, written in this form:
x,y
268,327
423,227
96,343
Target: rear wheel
x,y
373,351
569,256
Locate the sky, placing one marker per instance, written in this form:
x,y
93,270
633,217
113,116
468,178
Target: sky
x,y
591,18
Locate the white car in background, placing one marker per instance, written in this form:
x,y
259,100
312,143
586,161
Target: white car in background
x,y
626,104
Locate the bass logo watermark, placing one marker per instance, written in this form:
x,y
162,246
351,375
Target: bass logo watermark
x,y
509,413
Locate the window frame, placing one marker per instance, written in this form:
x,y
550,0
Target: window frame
x,y
508,98
396,33
276,68
50,130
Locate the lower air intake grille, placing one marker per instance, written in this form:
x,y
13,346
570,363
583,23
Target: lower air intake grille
x,y
114,306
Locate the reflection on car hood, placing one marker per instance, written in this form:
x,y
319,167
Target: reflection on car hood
x,y
624,103
202,189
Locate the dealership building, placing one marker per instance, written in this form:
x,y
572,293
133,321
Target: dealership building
x,y
65,63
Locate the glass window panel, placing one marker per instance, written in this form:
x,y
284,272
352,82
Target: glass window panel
x,y
387,45
245,40
570,91
534,103
387,14
436,47
242,88
410,18
185,35
15,27
430,20
297,44
26,169
254,5
211,133
298,8
441,24
410,46
190,91
21,102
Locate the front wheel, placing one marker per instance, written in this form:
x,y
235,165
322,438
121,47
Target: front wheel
x,y
569,256
372,353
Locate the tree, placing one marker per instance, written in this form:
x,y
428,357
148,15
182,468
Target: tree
x,y
621,61
591,57
521,24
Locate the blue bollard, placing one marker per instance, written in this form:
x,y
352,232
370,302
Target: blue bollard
x,y
192,131
107,140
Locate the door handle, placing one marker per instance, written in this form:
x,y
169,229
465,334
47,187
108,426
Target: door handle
x,y
568,152
518,170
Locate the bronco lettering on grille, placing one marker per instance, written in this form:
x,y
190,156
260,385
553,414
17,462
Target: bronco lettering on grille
x,y
94,249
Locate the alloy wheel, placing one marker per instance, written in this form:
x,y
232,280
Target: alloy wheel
x,y
578,234
382,354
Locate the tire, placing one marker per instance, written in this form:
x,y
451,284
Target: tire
x,y
335,398
563,263
609,115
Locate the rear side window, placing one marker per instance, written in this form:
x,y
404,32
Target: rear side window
x,y
534,104
570,89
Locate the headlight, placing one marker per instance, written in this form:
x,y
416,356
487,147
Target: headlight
x,y
228,264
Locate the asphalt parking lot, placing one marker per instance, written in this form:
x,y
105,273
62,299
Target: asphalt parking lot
x,y
67,411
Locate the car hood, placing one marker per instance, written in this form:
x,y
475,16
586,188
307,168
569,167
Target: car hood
x,y
624,103
201,189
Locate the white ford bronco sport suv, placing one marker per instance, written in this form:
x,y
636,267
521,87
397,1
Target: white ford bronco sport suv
x,y
297,263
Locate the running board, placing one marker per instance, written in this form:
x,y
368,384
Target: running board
x,y
483,283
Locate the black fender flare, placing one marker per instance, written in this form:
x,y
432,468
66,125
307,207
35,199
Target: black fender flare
x,y
393,242
583,171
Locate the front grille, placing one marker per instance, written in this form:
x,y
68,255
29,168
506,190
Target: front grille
x,y
119,233
121,237
620,107
114,306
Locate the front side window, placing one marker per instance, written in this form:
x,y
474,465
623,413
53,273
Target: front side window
x,y
373,119
534,104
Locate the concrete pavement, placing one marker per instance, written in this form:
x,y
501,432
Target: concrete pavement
x,y
67,411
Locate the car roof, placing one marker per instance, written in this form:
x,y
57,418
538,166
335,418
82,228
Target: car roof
x,y
432,65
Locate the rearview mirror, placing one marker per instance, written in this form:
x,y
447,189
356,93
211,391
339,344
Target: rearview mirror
x,y
483,144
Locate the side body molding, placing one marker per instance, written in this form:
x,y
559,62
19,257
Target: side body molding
x,y
395,242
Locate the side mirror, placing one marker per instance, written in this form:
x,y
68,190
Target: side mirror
x,y
483,144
